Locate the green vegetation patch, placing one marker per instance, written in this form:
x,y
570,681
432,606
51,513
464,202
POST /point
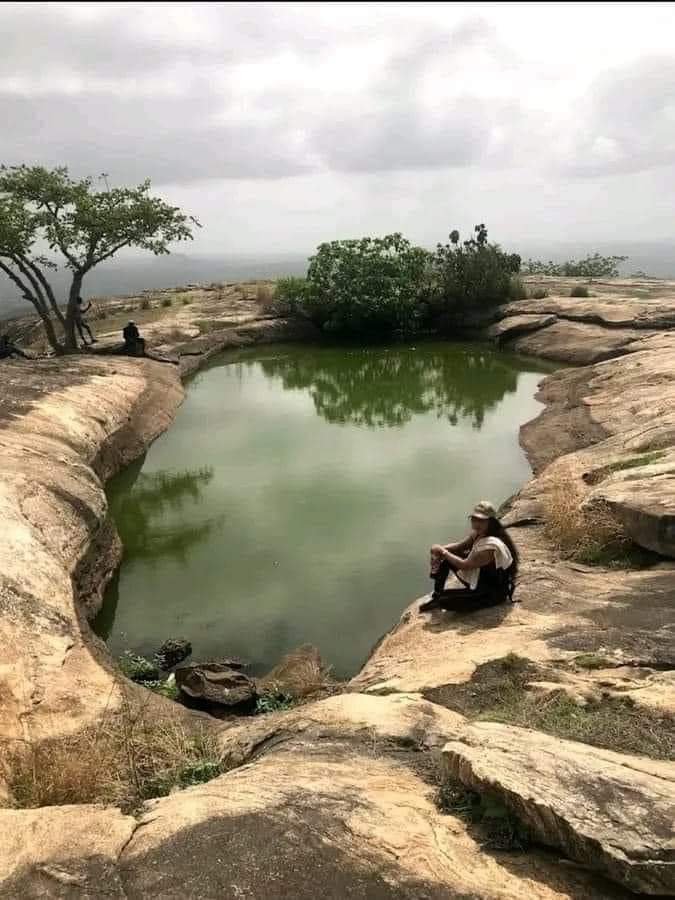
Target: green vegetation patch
x,y
631,462
271,702
138,668
579,291
498,692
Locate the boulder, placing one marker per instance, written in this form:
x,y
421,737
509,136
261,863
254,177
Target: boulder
x,y
610,811
217,683
172,652
513,326
645,506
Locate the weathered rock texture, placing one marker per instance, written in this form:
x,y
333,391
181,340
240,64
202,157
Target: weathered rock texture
x,y
337,798
608,810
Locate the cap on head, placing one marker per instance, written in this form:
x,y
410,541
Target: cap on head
x,y
483,510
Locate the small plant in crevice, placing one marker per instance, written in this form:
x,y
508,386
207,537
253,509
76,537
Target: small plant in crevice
x,y
271,702
496,826
167,301
579,291
138,668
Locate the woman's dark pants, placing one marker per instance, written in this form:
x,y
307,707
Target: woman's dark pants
x,y
464,599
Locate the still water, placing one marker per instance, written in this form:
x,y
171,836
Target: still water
x,y
296,495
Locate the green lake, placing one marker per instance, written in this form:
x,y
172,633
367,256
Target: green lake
x,y
296,495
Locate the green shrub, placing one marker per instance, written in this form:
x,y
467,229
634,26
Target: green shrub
x,y
470,274
367,286
539,294
290,294
145,303
592,266
167,301
579,291
517,289
186,301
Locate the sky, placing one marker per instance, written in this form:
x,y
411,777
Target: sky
x,y
283,125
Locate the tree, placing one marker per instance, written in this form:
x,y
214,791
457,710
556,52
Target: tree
x,y
43,209
592,266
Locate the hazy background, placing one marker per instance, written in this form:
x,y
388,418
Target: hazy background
x,y
282,125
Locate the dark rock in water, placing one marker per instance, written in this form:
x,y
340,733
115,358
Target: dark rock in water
x,y
172,652
217,683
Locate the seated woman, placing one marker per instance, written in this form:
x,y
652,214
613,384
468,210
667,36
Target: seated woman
x,y
485,563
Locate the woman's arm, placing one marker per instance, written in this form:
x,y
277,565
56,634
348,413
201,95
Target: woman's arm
x,y
474,560
460,546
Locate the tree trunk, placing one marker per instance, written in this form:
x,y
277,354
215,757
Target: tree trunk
x,y
51,335
70,341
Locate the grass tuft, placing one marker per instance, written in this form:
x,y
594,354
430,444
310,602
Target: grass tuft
x,y
589,533
498,692
166,301
579,291
539,294
126,759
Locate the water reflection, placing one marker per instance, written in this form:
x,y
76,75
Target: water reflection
x,y
385,388
140,503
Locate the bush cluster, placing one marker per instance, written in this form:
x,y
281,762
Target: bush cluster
x,y
384,286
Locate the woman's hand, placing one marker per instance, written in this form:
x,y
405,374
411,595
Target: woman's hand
x,y
436,548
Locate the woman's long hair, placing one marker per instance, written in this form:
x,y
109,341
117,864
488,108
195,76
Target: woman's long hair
x,y
496,529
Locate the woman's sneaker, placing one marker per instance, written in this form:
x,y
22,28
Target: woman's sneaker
x,y
432,603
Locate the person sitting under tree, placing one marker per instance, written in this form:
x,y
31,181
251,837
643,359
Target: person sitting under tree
x,y
134,344
80,322
485,565
9,349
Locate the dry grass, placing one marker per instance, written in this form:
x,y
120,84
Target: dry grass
x,y
580,532
129,757
264,295
299,674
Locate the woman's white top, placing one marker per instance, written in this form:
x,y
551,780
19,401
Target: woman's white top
x,y
503,558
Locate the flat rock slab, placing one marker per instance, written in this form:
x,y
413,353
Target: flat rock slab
x,y
610,811
621,311
512,326
576,342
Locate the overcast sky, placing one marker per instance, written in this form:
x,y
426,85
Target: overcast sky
x,y
283,125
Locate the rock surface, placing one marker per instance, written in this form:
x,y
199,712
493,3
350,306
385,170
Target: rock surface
x,y
327,800
610,811
217,683
344,788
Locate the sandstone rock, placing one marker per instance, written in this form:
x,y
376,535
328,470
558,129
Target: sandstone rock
x,y
62,851
514,325
575,342
172,652
607,810
646,508
217,683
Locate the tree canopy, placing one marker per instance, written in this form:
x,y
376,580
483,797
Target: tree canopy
x,y
45,216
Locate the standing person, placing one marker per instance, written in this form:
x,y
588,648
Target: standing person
x,y
80,322
485,563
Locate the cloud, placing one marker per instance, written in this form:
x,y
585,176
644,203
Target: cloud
x,y
627,123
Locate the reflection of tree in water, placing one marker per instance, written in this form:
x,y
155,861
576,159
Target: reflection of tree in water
x,y
388,387
141,499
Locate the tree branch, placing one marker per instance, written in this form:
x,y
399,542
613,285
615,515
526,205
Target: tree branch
x,y
110,253
25,290
46,286
35,285
59,237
